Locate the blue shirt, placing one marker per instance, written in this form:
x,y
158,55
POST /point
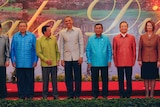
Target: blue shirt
x,y
23,51
98,51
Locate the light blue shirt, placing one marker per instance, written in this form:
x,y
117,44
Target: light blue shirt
x,y
23,51
98,51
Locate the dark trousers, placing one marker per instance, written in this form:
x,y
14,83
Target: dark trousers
x,y
95,81
71,66
25,82
46,71
128,73
3,88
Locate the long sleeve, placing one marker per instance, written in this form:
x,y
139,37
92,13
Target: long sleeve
x,y
81,43
88,53
158,48
57,52
61,47
13,50
140,50
7,49
34,50
109,50
39,51
114,51
134,50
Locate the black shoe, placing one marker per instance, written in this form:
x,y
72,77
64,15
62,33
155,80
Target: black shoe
x,y
122,96
70,98
105,97
55,98
76,97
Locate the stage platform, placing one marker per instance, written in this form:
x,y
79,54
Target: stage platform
x,y
138,89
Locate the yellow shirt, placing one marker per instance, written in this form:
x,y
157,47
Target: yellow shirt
x,y
47,49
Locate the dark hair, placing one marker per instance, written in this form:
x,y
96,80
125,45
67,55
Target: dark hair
x,y
123,22
0,25
98,24
44,29
22,21
68,17
153,25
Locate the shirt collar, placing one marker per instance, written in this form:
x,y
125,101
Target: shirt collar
x,y
25,33
73,28
99,37
47,37
123,35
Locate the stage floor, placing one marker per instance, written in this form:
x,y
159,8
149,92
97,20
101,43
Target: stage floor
x,y
138,89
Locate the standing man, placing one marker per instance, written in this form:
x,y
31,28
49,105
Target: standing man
x,y
4,62
72,49
47,51
124,55
24,59
99,55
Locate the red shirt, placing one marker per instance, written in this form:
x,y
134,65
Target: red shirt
x,y
124,50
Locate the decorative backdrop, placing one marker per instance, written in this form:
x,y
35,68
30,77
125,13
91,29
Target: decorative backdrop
x,y
85,14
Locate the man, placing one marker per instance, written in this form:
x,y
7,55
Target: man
x,y
4,62
72,47
124,55
99,55
24,59
47,51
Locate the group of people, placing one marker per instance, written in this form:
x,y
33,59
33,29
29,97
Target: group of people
x,y
25,50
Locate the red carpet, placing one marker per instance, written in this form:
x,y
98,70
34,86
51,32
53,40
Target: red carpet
x,y
138,89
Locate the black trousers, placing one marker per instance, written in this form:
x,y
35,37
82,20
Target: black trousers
x,y
128,73
73,75
25,82
46,71
3,88
95,81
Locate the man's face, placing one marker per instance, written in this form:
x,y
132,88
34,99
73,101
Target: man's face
x,y
68,22
123,28
98,29
22,27
48,32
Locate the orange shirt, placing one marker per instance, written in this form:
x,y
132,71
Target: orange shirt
x,y
124,50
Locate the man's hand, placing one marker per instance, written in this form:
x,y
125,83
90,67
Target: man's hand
x,y
62,63
140,63
34,64
14,64
49,62
80,60
7,63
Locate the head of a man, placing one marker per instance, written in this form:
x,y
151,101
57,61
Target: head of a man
x,y
123,26
46,30
68,22
22,26
98,29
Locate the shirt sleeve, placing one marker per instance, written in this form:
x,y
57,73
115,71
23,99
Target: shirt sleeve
x,y
7,50
61,46
39,51
57,51
13,50
114,51
81,43
140,49
109,51
34,50
88,51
